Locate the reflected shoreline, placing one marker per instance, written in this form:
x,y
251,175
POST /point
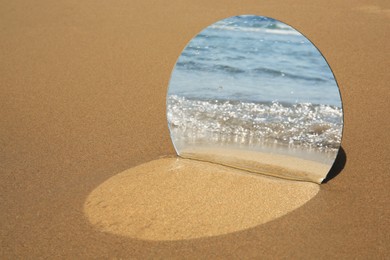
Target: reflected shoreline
x,y
239,143
270,164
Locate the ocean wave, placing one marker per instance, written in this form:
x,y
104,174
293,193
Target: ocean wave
x,y
303,125
192,65
273,72
278,30
210,67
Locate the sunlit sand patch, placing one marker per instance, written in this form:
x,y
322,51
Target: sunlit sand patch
x,y
176,199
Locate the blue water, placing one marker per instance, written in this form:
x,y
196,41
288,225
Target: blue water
x,y
255,59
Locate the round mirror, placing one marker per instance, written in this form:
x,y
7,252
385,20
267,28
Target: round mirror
x,y
253,93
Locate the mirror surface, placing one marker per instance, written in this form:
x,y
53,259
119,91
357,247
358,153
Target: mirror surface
x,y
253,93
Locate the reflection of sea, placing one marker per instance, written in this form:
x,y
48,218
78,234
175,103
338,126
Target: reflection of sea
x,y
253,58
249,124
255,83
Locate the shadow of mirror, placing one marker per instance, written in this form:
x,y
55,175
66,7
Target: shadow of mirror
x,y
338,165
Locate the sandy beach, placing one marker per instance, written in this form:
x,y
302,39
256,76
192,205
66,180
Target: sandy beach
x,y
87,167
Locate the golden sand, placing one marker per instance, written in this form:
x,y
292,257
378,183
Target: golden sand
x,y
82,97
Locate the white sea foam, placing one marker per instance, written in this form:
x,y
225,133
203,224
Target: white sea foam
x,y
217,121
